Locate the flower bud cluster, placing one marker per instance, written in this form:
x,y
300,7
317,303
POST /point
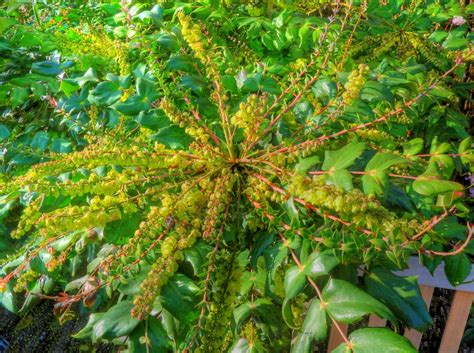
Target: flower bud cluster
x,y
57,261
249,114
295,153
100,211
355,83
29,216
184,120
262,193
216,204
424,48
375,135
193,35
363,211
226,286
309,7
23,280
171,253
96,44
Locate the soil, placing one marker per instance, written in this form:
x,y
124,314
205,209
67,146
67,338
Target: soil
x,y
40,332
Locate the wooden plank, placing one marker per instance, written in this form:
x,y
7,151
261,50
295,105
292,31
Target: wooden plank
x,y
457,319
438,280
413,335
335,338
375,321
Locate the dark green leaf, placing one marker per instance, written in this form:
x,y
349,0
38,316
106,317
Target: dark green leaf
x,y
180,296
4,132
347,303
48,68
132,106
40,141
314,328
457,268
173,137
115,322
295,280
401,294
319,264
158,339
371,340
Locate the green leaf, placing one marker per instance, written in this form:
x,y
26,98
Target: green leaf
x,y
6,23
413,147
115,322
4,132
375,91
89,76
295,280
194,83
401,294
382,161
314,328
40,140
292,211
261,307
180,62
42,286
427,186
376,180
371,340
168,41
146,89
120,231
132,106
343,157
18,96
457,268
173,137
306,164
197,256
180,296
319,264
454,43
465,145
8,300
105,94
375,183
153,329
342,178
60,145
438,36
47,68
347,303
69,86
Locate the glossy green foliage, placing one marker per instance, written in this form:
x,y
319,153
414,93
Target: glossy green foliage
x,y
233,176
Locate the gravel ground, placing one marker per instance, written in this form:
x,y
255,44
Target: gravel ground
x,y
39,332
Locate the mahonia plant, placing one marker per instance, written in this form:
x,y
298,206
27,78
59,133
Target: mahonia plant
x,y
229,208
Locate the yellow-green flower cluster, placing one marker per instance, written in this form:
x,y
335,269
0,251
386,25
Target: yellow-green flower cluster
x,y
184,120
249,114
193,35
227,283
361,210
97,44
355,83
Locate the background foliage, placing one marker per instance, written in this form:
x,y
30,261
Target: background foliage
x,y
233,176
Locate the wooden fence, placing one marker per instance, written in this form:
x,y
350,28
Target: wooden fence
x,y
457,317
